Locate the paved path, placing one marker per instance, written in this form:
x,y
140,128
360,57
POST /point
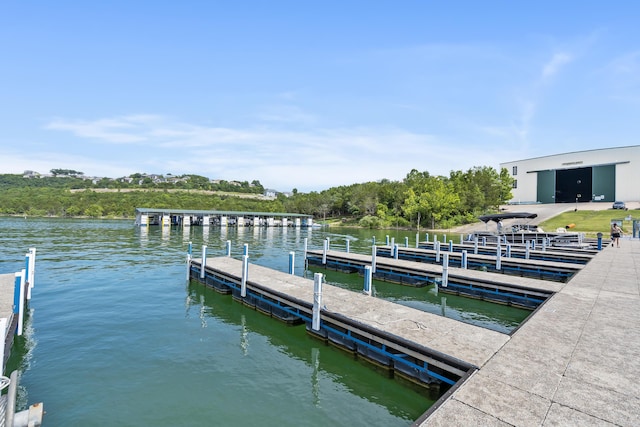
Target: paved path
x,y
576,362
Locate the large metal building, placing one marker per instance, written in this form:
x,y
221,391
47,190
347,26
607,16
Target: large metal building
x,y
602,175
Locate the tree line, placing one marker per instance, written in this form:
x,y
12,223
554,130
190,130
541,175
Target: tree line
x,y
419,200
71,179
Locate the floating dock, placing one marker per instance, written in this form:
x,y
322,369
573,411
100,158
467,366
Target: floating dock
x,y
421,347
536,268
556,254
518,291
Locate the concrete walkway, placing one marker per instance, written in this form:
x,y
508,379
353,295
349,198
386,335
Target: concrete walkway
x,y
576,362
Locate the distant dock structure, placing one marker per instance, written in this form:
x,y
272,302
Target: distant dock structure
x,y
188,217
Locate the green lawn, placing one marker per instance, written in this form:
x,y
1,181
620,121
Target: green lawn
x,y
592,222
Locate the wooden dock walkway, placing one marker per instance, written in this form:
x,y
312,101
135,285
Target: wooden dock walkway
x,y
575,362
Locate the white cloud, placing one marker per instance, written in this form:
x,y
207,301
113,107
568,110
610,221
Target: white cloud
x,y
314,158
555,64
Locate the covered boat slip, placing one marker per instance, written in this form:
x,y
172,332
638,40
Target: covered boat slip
x,y
188,217
422,347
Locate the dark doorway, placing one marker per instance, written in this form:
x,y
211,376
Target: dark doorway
x,y
573,185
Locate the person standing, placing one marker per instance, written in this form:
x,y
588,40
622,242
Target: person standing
x,y
616,232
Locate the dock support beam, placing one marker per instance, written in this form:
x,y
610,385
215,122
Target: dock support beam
x,y
325,248
204,261
3,333
368,277
317,301
445,270
374,249
292,260
245,273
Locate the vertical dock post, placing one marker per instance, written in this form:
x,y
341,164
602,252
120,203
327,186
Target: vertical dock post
x,y
484,241
445,270
367,279
426,237
325,248
461,239
3,334
498,257
406,242
374,249
600,240
444,238
346,243
387,240
245,249
228,248
526,250
544,244
245,273
450,245
437,243
435,238
20,294
26,275
292,259
306,243
190,248
508,250
475,246
373,240
417,240
32,268
203,264
463,262
393,242
328,243
188,266
395,251
317,301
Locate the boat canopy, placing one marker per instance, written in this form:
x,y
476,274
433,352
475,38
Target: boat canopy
x,y
507,215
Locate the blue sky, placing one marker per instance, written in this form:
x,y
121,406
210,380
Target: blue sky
x,y
312,94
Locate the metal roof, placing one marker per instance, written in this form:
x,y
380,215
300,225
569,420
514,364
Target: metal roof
x,y
171,211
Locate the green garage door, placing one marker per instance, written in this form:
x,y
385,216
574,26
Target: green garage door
x,y
604,183
546,186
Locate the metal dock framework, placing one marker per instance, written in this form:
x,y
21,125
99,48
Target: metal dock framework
x,y
207,218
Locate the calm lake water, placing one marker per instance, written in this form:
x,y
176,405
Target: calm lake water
x,y
117,337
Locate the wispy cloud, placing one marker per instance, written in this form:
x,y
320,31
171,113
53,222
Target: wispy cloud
x,y
555,64
120,130
313,158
